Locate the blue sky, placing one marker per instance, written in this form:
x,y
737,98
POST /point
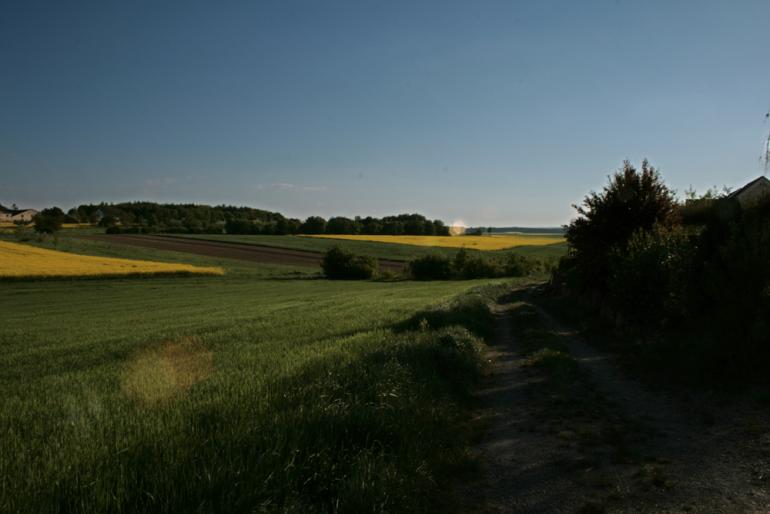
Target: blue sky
x,y
496,113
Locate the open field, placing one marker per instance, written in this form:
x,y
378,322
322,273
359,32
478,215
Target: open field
x,y
25,261
261,389
484,243
381,250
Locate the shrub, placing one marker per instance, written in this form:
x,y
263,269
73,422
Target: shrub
x,y
518,266
23,232
431,267
466,265
648,275
340,264
475,266
734,273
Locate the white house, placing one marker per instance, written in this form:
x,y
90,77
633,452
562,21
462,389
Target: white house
x,y
16,215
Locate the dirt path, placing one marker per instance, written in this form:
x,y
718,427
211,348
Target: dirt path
x,y
714,462
522,463
639,451
247,252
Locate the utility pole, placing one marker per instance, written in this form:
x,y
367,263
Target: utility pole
x,y
766,152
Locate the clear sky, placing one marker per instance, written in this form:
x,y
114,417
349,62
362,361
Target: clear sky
x,y
493,112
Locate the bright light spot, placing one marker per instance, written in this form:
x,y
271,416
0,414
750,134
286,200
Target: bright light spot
x,y
457,228
158,375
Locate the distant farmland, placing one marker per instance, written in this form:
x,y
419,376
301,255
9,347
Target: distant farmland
x,y
387,249
485,243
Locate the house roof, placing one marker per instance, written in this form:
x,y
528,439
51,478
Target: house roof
x,y
14,212
758,180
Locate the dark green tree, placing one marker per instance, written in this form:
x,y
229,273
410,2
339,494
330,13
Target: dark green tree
x,y
340,225
313,225
49,221
633,200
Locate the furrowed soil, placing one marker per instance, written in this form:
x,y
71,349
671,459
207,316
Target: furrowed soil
x,y
247,252
566,430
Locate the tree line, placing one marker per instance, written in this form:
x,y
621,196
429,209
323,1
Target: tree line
x,y
148,217
402,224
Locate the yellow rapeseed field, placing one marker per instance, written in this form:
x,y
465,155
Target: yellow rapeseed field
x,y
500,242
9,227
19,261
10,224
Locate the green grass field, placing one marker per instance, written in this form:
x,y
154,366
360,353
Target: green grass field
x,y
267,389
373,249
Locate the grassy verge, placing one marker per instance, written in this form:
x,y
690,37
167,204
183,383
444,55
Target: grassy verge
x,y
260,390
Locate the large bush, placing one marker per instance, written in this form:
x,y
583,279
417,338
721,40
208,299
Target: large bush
x,y
431,267
340,264
633,200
